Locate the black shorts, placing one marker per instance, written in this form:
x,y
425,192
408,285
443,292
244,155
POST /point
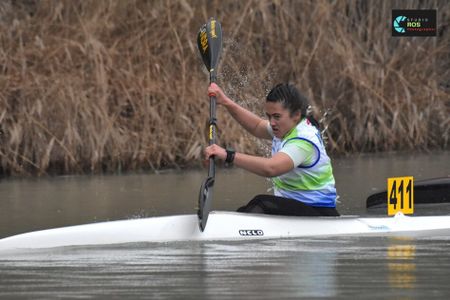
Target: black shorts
x,y
273,205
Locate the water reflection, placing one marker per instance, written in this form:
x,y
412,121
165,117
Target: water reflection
x,y
361,268
401,264
267,269
291,268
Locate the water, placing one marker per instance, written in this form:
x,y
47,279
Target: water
x,y
341,267
336,268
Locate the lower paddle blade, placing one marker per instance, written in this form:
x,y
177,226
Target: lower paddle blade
x,y
204,202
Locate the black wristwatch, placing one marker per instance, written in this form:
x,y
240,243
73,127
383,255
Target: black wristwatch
x,y
230,156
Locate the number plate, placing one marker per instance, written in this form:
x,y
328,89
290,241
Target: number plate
x,y
400,195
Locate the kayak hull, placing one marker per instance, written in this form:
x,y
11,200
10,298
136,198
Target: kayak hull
x,y
226,226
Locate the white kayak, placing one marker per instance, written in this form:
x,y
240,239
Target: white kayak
x,y
226,226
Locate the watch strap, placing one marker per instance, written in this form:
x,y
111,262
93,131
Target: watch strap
x,y
230,156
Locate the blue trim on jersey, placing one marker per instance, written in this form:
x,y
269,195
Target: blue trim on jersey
x,y
306,140
311,198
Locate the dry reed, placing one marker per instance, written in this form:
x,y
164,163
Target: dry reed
x,y
94,86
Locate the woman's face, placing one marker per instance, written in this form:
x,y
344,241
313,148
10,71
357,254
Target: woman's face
x,y
280,118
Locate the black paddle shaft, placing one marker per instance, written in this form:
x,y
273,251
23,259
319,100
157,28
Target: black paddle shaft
x,y
212,126
209,43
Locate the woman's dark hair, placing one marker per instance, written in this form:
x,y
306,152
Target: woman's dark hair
x,y
291,99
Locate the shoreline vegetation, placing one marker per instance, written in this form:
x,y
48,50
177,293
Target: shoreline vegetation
x,y
109,86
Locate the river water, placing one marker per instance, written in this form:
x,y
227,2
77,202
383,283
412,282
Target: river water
x,y
340,267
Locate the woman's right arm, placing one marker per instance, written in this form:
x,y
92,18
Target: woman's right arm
x,y
252,123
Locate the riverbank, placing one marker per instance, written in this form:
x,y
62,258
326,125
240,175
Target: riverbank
x,y
108,86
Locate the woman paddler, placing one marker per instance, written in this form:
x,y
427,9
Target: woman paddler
x,y
300,168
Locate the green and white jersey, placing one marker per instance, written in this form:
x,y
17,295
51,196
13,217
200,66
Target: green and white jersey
x,y
311,181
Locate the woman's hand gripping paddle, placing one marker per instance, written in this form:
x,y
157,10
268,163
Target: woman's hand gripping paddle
x,y
209,43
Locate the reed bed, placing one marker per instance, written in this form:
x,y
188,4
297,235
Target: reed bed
x,y
110,85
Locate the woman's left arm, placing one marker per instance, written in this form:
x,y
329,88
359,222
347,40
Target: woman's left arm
x,y
277,165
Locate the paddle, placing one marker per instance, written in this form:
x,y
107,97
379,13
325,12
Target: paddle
x,y
426,191
209,43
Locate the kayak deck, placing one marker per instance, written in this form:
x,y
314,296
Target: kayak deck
x,y
226,226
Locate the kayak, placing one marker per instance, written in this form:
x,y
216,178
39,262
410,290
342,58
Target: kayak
x,y
227,226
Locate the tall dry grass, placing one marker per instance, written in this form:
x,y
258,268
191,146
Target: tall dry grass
x,y
91,86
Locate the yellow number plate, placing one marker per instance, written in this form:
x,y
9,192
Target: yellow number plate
x,y
400,195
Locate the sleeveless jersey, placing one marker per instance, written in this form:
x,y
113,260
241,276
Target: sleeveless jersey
x,y
311,182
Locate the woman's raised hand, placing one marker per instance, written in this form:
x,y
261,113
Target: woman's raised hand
x,y
215,90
